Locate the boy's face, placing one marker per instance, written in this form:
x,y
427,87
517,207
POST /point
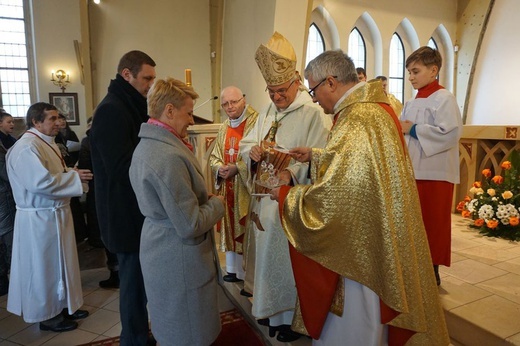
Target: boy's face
x,y
421,75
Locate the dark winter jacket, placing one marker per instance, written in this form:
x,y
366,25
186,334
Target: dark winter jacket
x,y
113,138
7,205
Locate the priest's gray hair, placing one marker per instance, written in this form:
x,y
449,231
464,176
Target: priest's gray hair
x,y
36,113
332,63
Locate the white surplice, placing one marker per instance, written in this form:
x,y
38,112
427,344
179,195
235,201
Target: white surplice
x,y
303,124
45,275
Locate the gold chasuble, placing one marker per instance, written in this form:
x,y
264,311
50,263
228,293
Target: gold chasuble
x,y
361,219
234,190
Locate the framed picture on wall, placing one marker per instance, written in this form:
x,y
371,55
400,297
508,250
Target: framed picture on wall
x,y
67,104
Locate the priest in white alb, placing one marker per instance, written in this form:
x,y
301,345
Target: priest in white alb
x,y
45,283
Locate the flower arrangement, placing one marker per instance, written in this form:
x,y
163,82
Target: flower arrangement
x,y
495,207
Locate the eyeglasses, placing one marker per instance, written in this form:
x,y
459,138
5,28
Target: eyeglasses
x,y
281,91
231,103
312,91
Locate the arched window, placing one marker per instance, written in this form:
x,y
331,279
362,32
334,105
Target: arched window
x,y
357,48
315,44
14,68
396,62
432,44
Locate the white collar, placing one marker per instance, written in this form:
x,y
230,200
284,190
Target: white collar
x,y
348,92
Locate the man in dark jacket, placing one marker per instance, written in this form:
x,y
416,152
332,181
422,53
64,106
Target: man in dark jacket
x,y
7,205
114,131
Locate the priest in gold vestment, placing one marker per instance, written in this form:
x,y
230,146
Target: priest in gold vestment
x,y
230,175
358,245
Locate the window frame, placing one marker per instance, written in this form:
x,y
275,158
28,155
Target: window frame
x,y
29,55
364,48
397,78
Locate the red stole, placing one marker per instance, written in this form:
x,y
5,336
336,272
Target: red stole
x,y
233,138
316,285
426,91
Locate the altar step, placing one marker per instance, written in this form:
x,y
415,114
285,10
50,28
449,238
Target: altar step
x,y
480,292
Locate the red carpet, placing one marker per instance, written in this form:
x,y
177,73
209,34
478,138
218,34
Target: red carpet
x,y
235,332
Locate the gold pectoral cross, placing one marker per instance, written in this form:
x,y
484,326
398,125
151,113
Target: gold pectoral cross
x,y
272,131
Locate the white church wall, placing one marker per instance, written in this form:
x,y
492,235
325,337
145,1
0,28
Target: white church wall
x,y
173,33
388,16
55,26
492,100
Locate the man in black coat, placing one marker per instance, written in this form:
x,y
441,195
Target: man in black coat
x,y
114,136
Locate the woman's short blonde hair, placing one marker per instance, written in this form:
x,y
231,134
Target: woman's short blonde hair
x,y
169,90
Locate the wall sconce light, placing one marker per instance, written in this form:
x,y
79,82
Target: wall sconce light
x,y
61,79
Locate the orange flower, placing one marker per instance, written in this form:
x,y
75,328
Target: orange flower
x,y
498,179
514,221
466,213
467,199
486,173
461,205
477,184
506,165
479,222
492,224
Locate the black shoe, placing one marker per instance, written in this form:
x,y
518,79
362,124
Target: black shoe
x,y
78,315
4,285
151,341
246,294
273,330
231,277
111,282
63,326
263,321
96,242
285,334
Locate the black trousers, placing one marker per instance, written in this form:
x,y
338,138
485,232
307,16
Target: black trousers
x,y
132,300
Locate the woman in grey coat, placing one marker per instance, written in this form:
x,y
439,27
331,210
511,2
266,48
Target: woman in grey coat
x,y
176,249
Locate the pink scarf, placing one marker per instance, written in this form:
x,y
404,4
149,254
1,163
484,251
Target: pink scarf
x,y
159,123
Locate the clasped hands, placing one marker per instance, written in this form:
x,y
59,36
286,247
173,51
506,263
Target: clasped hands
x,y
227,171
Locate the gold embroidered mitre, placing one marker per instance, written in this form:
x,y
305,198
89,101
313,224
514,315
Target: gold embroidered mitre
x,y
276,60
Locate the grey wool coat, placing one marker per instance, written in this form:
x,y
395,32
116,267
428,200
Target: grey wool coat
x,y
176,249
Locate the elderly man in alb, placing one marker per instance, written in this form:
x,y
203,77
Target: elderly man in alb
x,y
45,276
224,161
358,246
290,120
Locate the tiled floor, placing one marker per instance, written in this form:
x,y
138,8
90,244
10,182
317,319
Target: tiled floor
x,y
480,293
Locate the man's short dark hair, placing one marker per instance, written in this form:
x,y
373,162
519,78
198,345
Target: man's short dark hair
x,y
37,113
361,70
134,60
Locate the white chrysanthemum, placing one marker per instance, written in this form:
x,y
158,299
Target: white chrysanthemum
x,y
504,212
486,212
472,205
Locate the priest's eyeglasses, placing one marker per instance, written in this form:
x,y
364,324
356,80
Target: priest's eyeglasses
x,y
312,91
231,103
281,91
